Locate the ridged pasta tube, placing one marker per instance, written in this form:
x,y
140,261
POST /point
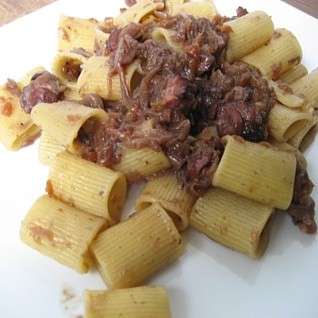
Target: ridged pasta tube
x,y
61,232
169,194
131,251
234,221
48,149
276,57
284,123
202,9
139,302
257,172
248,33
294,74
88,186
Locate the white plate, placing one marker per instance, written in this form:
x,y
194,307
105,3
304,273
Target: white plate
x,y
209,280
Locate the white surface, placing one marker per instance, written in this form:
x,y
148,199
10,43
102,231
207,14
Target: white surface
x,y
209,280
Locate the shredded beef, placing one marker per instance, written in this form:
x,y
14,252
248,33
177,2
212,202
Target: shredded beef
x,y
72,70
240,12
302,208
130,3
44,88
93,101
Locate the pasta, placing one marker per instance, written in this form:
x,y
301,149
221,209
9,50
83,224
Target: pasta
x,y
48,149
307,86
257,172
96,78
294,74
63,120
233,221
131,251
141,302
248,33
138,163
203,9
87,186
170,4
165,36
76,33
61,232
168,193
285,53
284,123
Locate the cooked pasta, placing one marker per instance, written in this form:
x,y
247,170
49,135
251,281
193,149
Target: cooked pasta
x,y
138,163
128,253
87,186
233,221
61,232
257,172
48,149
76,33
165,36
169,194
284,51
141,302
248,33
297,139
63,120
202,9
284,123
294,74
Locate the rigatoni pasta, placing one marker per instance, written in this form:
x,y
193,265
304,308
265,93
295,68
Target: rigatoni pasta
x,y
61,232
294,74
233,221
257,172
202,9
248,33
87,186
130,252
169,194
141,302
49,148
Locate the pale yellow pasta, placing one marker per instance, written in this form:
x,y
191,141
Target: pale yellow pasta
x,y
131,251
276,57
234,221
48,149
63,120
202,9
76,33
88,186
100,40
248,33
71,92
138,302
285,95
167,192
16,127
284,123
257,172
297,139
137,12
67,66
170,4
96,78
294,74
308,87
165,36
138,163
61,232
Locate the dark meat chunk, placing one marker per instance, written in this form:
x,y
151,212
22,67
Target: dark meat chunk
x,y
302,209
13,87
93,101
72,70
130,3
44,88
81,51
240,12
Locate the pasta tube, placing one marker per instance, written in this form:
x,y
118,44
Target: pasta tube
x,y
96,78
284,123
67,66
294,74
165,36
61,232
281,54
308,87
202,9
137,12
141,302
248,33
233,221
169,194
76,33
257,172
87,186
63,120
170,4
128,253
138,163
48,149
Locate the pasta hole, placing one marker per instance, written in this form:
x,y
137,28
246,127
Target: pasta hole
x,y
294,128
